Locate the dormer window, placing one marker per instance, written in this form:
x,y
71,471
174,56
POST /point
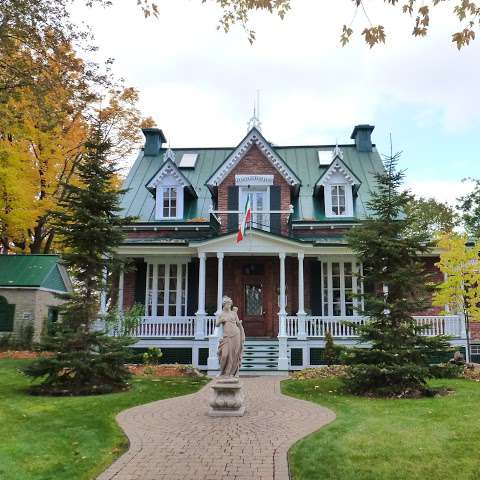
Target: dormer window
x,y
169,186
339,184
168,201
338,199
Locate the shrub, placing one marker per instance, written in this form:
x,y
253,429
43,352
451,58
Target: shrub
x,y
446,370
85,363
24,340
332,353
152,356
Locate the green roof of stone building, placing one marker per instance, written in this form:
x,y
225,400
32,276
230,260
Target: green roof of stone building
x,y
34,271
302,160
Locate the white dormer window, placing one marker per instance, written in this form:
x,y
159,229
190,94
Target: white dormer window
x,y
338,183
338,199
168,200
168,186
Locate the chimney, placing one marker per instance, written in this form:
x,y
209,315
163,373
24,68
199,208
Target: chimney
x,y
362,134
154,138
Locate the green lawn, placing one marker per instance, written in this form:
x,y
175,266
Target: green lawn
x,y
46,438
372,439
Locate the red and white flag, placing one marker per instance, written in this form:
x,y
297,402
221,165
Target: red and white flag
x,y
247,216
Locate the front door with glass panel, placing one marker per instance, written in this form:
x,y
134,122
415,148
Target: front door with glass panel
x,y
253,308
260,202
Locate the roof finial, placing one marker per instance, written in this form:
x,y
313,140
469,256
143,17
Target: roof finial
x,y
255,119
337,152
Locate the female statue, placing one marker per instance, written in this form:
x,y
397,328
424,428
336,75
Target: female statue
x,y
230,348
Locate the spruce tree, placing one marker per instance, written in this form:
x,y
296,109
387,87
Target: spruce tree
x,y
86,361
395,357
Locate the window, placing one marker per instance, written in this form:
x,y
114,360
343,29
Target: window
x,y
338,289
338,199
7,315
259,202
166,293
169,201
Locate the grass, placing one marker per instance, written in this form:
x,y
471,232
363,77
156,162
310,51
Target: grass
x,y
68,438
377,439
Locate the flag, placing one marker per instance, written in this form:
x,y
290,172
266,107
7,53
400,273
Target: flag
x,y
247,216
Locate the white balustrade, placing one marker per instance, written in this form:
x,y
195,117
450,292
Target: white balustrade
x,y
318,326
171,327
210,325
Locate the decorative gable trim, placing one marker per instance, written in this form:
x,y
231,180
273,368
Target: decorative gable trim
x,y
337,166
254,137
169,169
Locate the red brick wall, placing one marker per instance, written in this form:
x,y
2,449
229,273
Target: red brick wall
x,y
254,162
475,331
436,276
129,289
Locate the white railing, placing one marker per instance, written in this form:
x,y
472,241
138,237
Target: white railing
x,y
210,325
317,327
451,325
172,327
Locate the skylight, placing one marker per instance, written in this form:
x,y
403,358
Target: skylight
x,y
188,160
325,157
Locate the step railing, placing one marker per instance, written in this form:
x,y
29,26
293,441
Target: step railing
x,y
318,326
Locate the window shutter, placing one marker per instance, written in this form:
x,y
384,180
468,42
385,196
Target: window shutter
x,y
140,281
192,295
232,204
275,218
316,288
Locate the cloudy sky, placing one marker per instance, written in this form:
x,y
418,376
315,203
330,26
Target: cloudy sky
x,y
199,84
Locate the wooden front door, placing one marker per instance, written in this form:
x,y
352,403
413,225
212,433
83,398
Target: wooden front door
x,y
253,289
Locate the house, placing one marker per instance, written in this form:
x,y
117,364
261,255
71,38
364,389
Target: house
x,y
30,292
292,276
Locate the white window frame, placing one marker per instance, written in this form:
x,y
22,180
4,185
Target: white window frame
x,y
159,202
242,198
326,286
151,297
328,189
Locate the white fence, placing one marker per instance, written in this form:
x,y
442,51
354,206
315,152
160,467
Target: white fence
x,y
317,327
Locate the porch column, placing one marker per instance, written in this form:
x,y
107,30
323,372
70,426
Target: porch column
x,y
103,293
301,333
120,290
220,256
200,314
282,330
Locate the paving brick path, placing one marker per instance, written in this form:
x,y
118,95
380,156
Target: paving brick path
x,y
174,439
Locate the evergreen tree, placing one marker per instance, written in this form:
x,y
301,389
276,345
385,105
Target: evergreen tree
x,y
86,361
396,358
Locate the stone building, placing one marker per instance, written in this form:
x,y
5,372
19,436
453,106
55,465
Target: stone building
x,y
30,292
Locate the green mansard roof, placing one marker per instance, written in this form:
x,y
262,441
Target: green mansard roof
x,y
33,271
302,160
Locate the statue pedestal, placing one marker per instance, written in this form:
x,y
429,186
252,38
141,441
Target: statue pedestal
x,y
227,399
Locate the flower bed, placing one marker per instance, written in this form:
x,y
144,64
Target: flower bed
x,y
23,354
333,371
166,370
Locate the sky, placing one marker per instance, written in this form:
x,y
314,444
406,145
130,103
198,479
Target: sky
x,y
199,84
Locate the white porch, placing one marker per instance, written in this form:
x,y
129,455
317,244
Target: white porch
x,y
170,322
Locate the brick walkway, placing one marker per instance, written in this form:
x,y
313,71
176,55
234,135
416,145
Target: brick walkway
x,y
175,439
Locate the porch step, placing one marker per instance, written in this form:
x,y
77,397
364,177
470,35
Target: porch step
x,y
259,356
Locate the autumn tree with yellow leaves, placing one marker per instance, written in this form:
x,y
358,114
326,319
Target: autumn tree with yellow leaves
x,y
460,290
49,97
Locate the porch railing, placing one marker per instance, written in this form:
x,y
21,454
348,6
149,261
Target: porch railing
x,y
317,327
172,327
